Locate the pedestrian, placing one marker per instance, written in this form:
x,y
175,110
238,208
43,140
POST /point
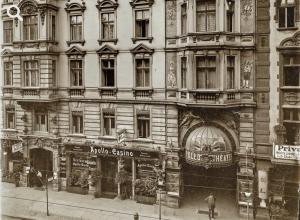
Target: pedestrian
x,y
211,202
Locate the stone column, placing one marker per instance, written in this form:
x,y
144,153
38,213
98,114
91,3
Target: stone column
x,y
133,178
55,171
119,185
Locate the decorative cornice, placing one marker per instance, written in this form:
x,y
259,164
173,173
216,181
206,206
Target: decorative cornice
x,y
75,6
107,4
141,48
75,51
106,49
136,3
293,41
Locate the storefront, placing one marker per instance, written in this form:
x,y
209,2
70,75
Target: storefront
x,y
110,171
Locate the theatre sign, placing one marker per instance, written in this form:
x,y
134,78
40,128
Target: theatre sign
x,y
286,152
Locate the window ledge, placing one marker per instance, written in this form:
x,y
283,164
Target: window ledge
x,y
142,92
77,135
145,140
114,40
41,133
290,87
12,130
7,44
106,137
82,42
206,90
135,39
287,28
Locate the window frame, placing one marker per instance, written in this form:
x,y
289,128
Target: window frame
x,y
37,122
35,25
30,71
206,15
109,114
136,72
285,6
206,73
291,64
230,10
10,29
53,27
234,74
7,112
143,114
5,84
71,26
183,79
184,21
77,114
71,73
102,73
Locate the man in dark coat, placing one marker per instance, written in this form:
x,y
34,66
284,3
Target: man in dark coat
x,y
211,202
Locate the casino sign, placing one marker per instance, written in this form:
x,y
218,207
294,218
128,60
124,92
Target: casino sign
x,y
208,146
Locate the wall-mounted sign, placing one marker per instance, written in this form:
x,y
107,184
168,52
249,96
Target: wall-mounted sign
x,y
212,159
286,152
17,147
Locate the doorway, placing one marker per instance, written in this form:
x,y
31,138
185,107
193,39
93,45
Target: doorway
x,y
109,167
42,160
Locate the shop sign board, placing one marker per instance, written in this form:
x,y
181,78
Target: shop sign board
x,y
17,147
82,162
209,159
286,152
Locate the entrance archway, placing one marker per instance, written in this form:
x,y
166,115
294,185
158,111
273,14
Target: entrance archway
x,y
42,160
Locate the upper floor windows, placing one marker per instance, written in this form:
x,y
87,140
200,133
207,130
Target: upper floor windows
x,y
10,118
108,72
142,23
143,124
109,127
206,76
230,15
205,15
184,18
8,31
8,73
77,122
230,72
53,27
41,121
291,71
76,73
30,27
31,73
143,72
183,72
108,26
76,28
286,13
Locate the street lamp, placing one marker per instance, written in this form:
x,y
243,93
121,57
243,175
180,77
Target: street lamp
x,y
248,194
160,184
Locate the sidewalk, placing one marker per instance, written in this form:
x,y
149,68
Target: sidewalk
x,y
30,203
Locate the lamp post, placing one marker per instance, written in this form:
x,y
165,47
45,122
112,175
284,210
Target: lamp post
x,y
160,184
248,194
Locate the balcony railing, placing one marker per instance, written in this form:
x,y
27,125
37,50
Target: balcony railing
x,y
108,92
76,92
30,92
142,92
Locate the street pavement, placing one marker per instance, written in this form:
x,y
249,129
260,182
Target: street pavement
x,y
30,203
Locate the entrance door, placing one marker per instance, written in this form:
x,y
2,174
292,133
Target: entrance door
x,y
109,170
42,161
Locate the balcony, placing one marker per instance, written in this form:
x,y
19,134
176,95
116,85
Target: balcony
x,y
142,92
35,94
108,92
76,92
215,98
7,91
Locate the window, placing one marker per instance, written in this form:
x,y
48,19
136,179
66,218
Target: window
x,y
230,72
107,25
230,15
8,73
7,31
53,27
31,73
291,71
108,72
142,72
206,72
30,27
109,124
77,123
54,73
205,15
10,118
183,18
76,27
183,72
286,13
143,123
142,23
41,122
76,72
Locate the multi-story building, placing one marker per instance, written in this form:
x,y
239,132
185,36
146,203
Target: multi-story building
x,y
106,96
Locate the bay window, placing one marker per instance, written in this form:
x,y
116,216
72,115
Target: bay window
x,y
205,15
30,27
31,73
8,73
8,31
206,72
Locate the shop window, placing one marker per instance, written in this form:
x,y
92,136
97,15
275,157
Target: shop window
x,y
143,125
10,118
142,72
30,27
41,122
230,15
8,73
205,15
7,31
77,123
76,73
108,72
230,72
31,73
291,71
53,27
109,128
206,72
183,72
184,18
286,13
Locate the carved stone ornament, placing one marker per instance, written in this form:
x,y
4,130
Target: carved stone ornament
x,y
43,142
292,98
293,41
172,76
246,8
171,12
42,11
28,8
246,70
188,118
280,131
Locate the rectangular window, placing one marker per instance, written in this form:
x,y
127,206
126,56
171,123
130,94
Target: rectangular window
x,y
108,73
206,72
107,25
109,128
8,73
183,72
143,123
7,31
291,71
76,27
286,13
54,73
41,122
10,118
31,73
30,27
230,16
292,133
53,27
291,115
142,23
142,72
76,72
205,15
230,72
183,19
77,123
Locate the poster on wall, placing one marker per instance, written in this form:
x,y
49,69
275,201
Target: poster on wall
x,y
62,163
263,185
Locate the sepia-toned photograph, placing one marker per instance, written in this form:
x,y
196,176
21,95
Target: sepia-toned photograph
x,y
150,109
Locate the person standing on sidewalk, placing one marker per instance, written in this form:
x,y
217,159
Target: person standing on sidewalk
x,y
211,202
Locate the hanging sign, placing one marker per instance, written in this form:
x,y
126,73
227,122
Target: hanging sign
x,y
286,152
17,147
